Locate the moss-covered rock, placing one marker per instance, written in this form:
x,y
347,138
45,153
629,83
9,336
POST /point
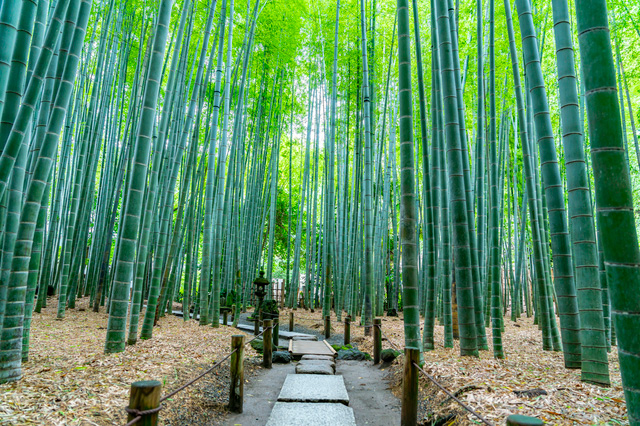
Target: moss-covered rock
x,y
353,355
258,345
338,348
389,355
282,357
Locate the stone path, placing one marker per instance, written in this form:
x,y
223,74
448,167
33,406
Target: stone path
x,y
369,396
301,348
314,392
308,413
314,395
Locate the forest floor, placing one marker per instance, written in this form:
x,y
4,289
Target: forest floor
x,y
68,380
487,385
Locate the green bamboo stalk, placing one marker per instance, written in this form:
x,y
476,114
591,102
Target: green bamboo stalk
x,y
9,17
614,200
457,193
367,181
11,337
592,337
409,214
116,327
563,269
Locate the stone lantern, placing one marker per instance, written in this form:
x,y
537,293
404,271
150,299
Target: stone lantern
x,y
260,291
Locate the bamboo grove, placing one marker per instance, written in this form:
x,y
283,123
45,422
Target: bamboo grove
x,y
466,163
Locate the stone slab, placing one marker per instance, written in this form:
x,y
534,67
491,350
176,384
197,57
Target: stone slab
x,y
299,348
325,369
308,338
313,388
305,414
328,363
317,358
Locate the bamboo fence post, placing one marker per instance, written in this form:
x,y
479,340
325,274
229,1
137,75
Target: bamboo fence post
x,y
409,413
291,321
237,374
145,395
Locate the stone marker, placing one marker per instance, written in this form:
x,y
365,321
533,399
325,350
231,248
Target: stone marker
x,y
304,413
313,388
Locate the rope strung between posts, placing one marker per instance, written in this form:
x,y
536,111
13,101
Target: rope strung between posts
x,y
139,414
466,407
394,347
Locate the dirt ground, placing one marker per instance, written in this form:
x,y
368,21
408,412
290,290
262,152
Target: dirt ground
x,y
68,379
487,385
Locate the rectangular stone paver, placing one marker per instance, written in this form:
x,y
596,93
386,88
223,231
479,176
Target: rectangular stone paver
x,y
313,362
314,368
317,358
299,348
306,414
313,388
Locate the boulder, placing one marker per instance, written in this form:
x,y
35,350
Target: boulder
x,y
392,313
282,357
352,355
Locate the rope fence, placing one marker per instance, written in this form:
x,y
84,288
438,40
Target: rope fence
x,y
145,401
147,393
452,396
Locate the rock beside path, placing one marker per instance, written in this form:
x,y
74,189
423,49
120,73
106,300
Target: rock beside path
x,y
281,357
352,355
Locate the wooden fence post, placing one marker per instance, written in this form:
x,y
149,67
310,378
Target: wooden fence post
x,y
377,340
267,341
327,326
225,317
291,321
347,330
233,312
409,413
145,395
276,332
236,393
256,323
